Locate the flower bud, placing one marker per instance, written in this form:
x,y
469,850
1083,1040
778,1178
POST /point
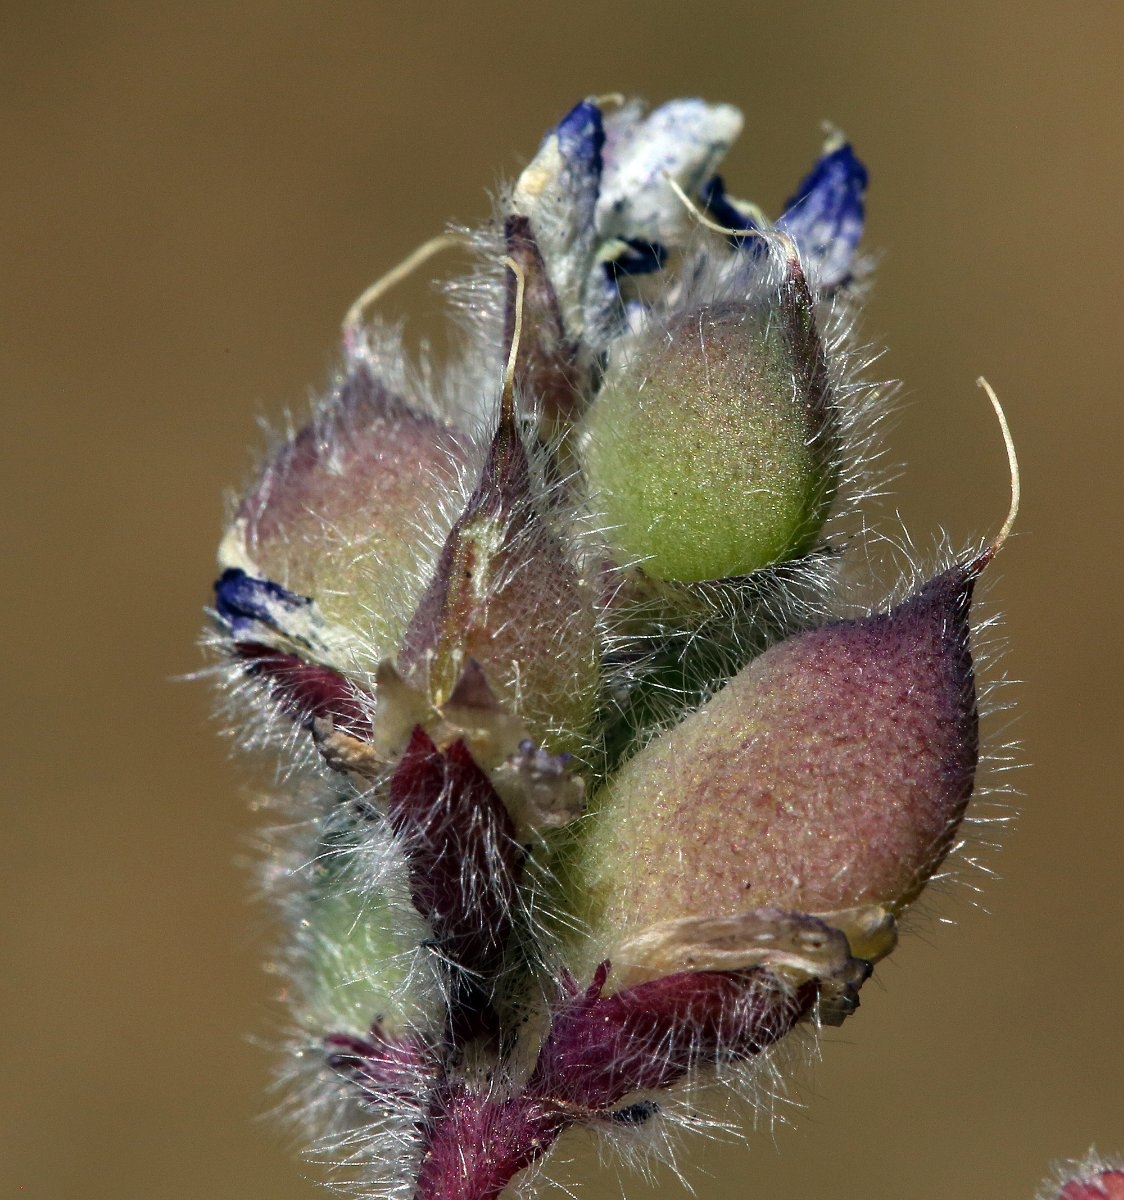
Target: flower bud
x,y
709,450
829,774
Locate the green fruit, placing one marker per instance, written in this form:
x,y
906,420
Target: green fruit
x,y
703,455
361,954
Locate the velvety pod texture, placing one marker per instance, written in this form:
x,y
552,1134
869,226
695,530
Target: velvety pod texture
x,y
593,785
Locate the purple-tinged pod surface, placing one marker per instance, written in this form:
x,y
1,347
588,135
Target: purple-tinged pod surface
x,y
349,511
828,774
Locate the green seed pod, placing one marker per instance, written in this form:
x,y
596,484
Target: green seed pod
x,y
362,962
709,451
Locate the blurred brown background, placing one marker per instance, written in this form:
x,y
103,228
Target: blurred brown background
x,y
193,194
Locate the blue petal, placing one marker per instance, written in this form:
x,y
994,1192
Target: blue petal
x,y
636,258
241,600
581,139
716,201
825,216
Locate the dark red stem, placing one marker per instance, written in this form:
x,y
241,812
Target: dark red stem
x,y
599,1050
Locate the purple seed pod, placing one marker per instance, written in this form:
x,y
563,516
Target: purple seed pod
x,y
327,516
831,773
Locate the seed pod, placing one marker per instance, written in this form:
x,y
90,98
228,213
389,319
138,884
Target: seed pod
x,y
831,773
506,595
709,451
360,950
346,512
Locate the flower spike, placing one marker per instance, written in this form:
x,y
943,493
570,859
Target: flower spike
x,y
597,787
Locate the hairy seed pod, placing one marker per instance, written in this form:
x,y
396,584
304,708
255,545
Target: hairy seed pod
x,y
709,450
329,516
829,774
359,954
505,595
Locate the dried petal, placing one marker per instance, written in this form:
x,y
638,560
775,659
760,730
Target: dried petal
x,y
683,140
800,945
557,192
244,602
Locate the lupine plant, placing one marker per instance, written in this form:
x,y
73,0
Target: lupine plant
x,y
601,774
